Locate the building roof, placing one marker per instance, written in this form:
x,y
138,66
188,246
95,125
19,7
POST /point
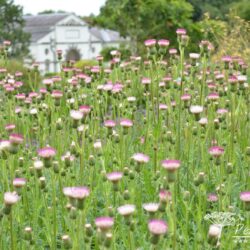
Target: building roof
x,y
106,35
41,25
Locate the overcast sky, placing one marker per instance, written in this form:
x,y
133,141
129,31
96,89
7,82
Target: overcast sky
x,y
80,7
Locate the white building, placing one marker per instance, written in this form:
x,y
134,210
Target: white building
x,y
68,33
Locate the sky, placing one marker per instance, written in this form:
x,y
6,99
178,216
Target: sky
x,y
80,7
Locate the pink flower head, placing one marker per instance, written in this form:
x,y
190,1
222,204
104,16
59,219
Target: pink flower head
x,y
157,227
165,195
222,111
33,95
213,96
76,192
7,43
48,82
10,127
76,115
212,197
47,152
186,97
150,43
99,58
245,196
151,207
114,176
140,158
163,106
126,210
20,96
216,151
171,165
126,123
196,109
163,43
16,139
11,198
172,51
109,123
194,56
57,94
85,109
226,59
145,80
19,182
104,223
181,31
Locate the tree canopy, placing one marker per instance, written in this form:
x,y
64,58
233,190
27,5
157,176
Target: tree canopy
x,y
143,19
11,27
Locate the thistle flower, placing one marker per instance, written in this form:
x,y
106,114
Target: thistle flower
x,y
109,124
150,43
157,228
114,176
212,197
47,152
47,155
16,139
76,194
104,223
5,147
140,159
171,166
216,151
76,115
126,210
11,198
196,110
163,43
85,109
126,123
151,208
245,197
214,233
10,127
181,31
19,182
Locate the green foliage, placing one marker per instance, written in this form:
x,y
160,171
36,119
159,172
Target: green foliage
x,y
125,52
242,9
143,19
83,63
215,8
11,27
51,12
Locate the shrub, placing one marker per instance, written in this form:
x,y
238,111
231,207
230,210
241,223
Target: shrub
x,y
83,63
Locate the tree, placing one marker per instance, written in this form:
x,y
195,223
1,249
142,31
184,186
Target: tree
x,y
11,27
242,9
143,19
51,12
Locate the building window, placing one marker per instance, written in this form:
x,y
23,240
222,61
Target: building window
x,y
46,51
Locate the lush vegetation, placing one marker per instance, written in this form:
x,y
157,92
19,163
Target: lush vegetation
x,y
139,154
157,19
11,28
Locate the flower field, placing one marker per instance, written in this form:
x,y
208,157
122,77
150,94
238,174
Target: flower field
x,y
150,153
